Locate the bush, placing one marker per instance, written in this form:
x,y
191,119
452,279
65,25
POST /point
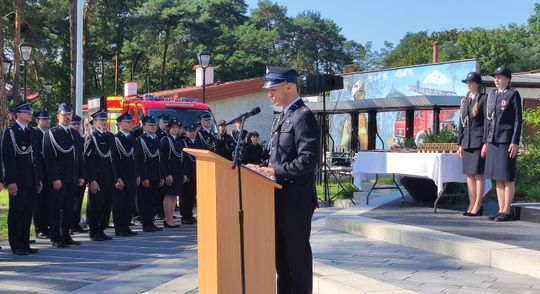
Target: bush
x,y
528,161
444,136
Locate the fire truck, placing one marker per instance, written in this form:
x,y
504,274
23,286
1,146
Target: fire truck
x,y
186,110
423,122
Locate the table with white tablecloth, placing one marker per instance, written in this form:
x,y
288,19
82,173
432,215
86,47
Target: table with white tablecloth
x,y
440,167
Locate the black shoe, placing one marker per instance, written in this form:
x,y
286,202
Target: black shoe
x,y
478,213
59,244
32,250
166,225
504,217
79,229
31,241
157,228
133,233
105,237
73,242
122,234
194,220
42,236
20,252
493,217
97,238
149,229
187,222
465,213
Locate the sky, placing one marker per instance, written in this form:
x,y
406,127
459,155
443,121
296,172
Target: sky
x,y
390,20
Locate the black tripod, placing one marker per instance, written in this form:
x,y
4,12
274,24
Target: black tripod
x,y
237,157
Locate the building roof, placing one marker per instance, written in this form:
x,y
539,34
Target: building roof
x,y
387,104
519,80
216,92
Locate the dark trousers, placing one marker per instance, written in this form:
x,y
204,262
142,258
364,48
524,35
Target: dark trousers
x,y
158,203
146,198
20,212
187,200
294,265
60,212
99,208
123,204
77,206
41,211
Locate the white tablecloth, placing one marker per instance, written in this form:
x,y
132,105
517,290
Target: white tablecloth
x,y
440,167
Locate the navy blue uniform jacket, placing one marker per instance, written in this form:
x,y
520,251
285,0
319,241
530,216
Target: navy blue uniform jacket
x,y
21,169
294,154
66,167
471,136
505,127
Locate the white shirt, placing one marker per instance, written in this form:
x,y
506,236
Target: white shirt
x,y
23,126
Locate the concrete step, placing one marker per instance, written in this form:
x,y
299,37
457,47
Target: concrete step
x,y
493,254
529,212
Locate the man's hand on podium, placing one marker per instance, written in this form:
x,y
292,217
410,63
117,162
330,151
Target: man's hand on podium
x,y
265,171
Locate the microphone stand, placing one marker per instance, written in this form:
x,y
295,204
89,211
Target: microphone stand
x,y
237,157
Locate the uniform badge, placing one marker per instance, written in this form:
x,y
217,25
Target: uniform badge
x,y
23,148
503,105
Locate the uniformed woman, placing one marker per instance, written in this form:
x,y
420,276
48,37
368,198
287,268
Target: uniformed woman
x,y
471,131
502,133
171,160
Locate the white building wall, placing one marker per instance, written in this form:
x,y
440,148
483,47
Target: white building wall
x,y
230,108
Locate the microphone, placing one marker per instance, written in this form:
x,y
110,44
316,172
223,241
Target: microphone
x,y
250,113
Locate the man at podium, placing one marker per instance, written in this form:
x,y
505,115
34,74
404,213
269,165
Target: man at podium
x,y
293,158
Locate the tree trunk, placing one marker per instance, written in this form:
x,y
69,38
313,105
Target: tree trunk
x,y
73,49
3,94
164,59
17,54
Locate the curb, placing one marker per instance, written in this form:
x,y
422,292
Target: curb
x,y
493,254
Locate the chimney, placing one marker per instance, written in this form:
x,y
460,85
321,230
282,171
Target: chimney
x,y
435,52
199,75
130,88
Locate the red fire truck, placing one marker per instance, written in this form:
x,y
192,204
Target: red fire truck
x,y
186,110
423,122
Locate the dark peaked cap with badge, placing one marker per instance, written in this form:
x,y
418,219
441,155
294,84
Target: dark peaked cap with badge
x,y
124,117
502,71
164,117
191,127
174,121
76,120
276,75
474,77
99,115
148,120
42,114
64,108
24,106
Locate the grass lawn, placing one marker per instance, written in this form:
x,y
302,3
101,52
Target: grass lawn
x,y
4,205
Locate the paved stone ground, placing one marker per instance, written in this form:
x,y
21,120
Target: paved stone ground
x,y
122,265
165,262
519,233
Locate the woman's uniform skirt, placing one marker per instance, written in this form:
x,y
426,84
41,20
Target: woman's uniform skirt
x,y
499,165
176,188
473,163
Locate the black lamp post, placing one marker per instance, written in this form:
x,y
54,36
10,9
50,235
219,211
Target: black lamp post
x,y
26,50
204,61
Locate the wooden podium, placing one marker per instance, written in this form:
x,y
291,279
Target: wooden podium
x,y
218,229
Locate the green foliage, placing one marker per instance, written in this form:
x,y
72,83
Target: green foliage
x,y
528,160
444,136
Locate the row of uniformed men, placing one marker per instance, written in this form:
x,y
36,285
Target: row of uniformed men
x,y
46,171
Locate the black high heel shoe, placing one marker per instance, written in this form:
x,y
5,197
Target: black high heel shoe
x,y
478,213
465,213
166,225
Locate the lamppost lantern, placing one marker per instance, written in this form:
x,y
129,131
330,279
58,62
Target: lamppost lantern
x,y
6,66
204,62
26,50
204,59
47,88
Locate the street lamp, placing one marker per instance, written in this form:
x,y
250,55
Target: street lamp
x,y
6,66
26,50
204,62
